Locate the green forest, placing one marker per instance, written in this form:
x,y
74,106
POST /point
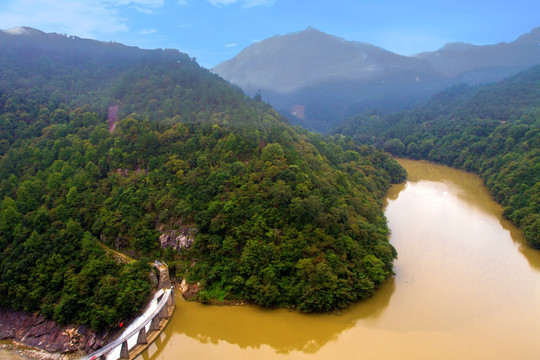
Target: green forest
x,y
105,146
492,130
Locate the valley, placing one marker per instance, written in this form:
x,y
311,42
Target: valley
x,y
291,179
334,79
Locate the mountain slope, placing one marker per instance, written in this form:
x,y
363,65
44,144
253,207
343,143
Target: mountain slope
x,y
493,130
106,143
325,75
318,79
458,58
60,69
293,61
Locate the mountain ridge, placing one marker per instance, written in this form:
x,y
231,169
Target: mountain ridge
x,y
360,60
523,51
332,78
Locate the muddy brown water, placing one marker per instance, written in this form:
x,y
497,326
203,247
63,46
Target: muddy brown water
x,y
467,286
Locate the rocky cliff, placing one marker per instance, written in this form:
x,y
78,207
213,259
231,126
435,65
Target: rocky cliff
x,y
182,236
37,332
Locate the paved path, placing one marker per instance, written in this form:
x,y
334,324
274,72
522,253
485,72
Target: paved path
x,y
159,308
130,334
164,280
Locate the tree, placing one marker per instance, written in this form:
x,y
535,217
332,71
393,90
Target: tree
x,y
394,147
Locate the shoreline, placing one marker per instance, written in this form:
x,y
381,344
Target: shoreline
x,y
11,349
33,332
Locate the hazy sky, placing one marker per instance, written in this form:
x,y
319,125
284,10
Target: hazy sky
x,y
216,30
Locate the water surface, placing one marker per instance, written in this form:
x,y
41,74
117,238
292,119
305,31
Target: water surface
x,y
466,287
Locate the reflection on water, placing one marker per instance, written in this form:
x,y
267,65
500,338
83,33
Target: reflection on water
x,y
282,330
467,286
470,189
393,193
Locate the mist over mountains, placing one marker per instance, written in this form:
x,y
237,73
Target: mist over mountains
x,y
456,59
310,57
320,79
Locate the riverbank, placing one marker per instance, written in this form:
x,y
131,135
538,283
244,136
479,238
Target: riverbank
x,y
450,297
33,331
39,338
10,351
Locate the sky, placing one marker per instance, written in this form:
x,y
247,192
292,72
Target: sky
x,y
216,30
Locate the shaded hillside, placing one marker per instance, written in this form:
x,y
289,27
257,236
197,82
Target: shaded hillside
x,y
287,63
455,59
278,216
330,79
59,69
326,74
493,130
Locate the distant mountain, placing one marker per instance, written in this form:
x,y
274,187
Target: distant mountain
x,y
320,79
324,75
455,59
298,60
23,30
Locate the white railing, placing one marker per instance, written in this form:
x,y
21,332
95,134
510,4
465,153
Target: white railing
x,y
136,332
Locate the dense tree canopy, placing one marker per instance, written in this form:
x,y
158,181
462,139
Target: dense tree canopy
x,y
493,130
282,217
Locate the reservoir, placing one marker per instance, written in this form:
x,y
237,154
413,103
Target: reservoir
x,y
467,286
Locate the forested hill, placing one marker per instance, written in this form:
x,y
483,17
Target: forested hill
x,y
279,216
76,72
493,130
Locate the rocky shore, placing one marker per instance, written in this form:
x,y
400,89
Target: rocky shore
x,y
35,332
10,351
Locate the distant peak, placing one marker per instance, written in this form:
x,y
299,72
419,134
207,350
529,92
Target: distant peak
x,y
457,46
22,30
531,37
311,28
535,31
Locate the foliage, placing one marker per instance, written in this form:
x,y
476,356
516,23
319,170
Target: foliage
x,y
284,217
493,130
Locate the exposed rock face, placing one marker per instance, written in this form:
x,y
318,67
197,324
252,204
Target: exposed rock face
x,y
113,117
154,279
37,332
189,291
177,238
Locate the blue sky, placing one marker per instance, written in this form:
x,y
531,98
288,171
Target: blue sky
x,y
216,30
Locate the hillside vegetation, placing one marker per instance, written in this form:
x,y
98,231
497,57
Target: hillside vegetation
x,y
92,151
493,130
